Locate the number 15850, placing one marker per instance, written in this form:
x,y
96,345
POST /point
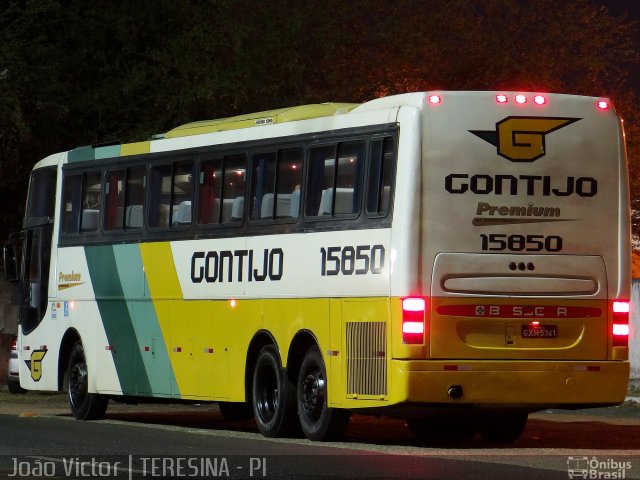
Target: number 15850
x,y
519,243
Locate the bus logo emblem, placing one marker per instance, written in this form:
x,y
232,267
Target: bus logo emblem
x,y
522,139
35,364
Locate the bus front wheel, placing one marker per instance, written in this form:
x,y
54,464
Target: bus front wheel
x,y
273,396
84,405
318,421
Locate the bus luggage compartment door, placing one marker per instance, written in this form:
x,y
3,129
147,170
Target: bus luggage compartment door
x,y
486,306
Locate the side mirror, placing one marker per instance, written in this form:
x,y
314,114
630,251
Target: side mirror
x,y
10,263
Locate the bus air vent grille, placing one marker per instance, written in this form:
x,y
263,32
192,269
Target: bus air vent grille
x,y
366,358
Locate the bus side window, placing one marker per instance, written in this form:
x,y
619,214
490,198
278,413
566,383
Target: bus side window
x,y
234,177
134,198
288,183
171,194
210,192
42,193
276,177
71,193
114,200
91,193
334,186
381,169
322,162
263,183
182,193
160,195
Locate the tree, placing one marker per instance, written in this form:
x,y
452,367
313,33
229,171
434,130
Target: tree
x,y
77,72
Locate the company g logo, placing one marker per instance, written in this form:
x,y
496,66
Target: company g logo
x,y
522,139
35,364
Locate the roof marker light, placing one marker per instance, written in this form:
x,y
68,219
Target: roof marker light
x,y
502,98
435,99
539,100
521,99
602,104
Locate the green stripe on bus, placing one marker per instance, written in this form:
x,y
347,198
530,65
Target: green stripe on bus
x,y
116,319
108,151
151,344
81,154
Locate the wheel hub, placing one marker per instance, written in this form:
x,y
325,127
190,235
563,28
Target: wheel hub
x,y
313,394
78,383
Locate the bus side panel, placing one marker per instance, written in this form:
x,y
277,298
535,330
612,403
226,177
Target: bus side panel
x,y
204,338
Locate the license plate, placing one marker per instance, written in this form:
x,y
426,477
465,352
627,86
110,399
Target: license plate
x,y
539,331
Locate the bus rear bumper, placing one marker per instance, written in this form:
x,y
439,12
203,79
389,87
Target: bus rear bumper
x,y
543,384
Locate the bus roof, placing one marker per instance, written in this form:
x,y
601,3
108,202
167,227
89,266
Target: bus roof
x,y
268,117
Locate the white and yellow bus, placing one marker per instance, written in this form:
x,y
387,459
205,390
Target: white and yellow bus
x,y
457,259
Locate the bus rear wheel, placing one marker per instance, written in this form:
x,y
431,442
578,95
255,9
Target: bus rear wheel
x,y
84,405
318,421
273,396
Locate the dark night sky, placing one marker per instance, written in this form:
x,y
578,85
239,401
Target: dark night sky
x,y
632,9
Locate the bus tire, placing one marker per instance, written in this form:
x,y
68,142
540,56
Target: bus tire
x,y
318,421
504,428
84,405
273,396
236,411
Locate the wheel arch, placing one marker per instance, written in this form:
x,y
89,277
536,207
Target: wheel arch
x,y
261,339
300,343
71,336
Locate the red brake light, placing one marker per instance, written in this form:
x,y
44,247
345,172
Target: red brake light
x,y
14,344
620,330
602,105
621,307
521,99
435,99
620,327
414,304
539,100
502,98
413,309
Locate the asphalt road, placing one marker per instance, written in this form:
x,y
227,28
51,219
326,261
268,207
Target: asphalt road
x,y
39,439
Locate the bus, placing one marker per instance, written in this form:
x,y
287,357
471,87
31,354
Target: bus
x,y
456,259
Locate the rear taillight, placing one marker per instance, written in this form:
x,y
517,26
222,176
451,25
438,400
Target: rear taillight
x,y
620,326
14,344
413,309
